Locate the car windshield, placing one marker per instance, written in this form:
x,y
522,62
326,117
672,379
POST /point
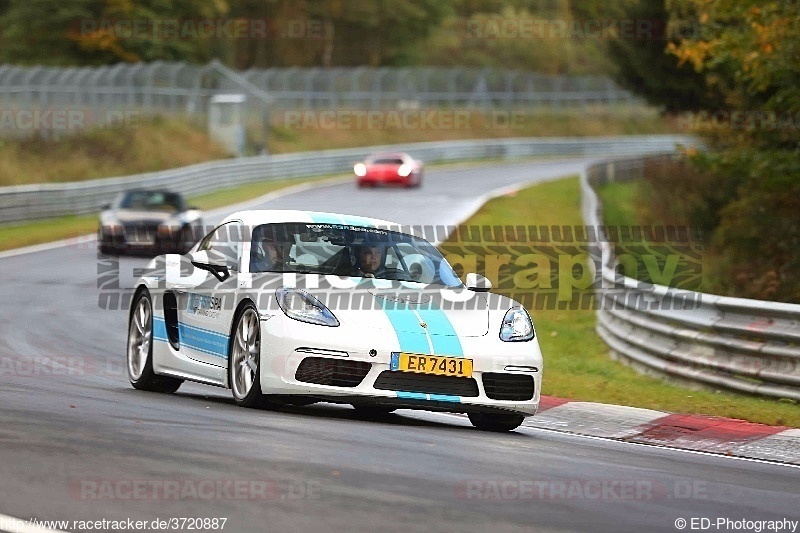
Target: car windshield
x,y
387,161
151,201
344,250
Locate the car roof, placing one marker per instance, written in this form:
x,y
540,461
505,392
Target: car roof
x,y
151,191
390,155
256,217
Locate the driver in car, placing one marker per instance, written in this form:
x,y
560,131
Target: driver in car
x,y
271,256
369,260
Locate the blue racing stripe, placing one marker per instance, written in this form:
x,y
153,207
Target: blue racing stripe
x,y
204,341
404,321
443,336
204,330
325,218
357,221
412,395
345,220
445,398
159,329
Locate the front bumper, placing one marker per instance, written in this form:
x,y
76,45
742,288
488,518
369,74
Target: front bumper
x,y
136,242
386,180
287,343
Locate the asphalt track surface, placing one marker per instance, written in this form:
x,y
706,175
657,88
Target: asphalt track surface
x,y
76,439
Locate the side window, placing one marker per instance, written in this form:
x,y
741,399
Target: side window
x,y
225,241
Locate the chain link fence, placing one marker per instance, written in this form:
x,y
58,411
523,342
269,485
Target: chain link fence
x,y
49,100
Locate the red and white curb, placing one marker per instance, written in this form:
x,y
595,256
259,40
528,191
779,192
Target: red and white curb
x,y
711,434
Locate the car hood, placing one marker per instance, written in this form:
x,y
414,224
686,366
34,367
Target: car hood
x,y
408,310
129,215
398,307
382,170
383,305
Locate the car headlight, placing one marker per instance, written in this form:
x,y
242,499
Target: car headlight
x,y
516,326
112,228
300,305
404,170
360,169
165,230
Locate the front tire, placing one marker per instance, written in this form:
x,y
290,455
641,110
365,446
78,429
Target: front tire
x,y
140,350
499,423
244,361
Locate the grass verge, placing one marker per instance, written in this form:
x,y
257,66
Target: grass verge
x,y
148,145
577,364
692,262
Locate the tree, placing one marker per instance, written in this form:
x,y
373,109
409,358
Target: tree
x,y
35,32
750,50
521,35
645,66
82,32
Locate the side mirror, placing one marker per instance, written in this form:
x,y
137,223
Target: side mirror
x,y
213,262
105,207
478,283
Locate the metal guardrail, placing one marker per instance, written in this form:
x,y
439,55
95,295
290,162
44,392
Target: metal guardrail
x,y
30,202
746,345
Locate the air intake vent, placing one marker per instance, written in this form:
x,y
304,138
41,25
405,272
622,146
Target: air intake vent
x,y
512,387
333,372
426,383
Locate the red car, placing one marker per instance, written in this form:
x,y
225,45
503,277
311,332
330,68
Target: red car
x,y
389,169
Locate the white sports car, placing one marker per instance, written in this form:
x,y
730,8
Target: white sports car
x,y
298,307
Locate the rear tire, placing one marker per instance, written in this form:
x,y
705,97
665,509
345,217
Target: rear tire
x,y
499,423
140,350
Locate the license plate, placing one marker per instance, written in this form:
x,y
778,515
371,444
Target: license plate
x,y
140,237
432,364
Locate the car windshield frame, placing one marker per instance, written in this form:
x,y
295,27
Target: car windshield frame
x,y
142,201
332,249
387,161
